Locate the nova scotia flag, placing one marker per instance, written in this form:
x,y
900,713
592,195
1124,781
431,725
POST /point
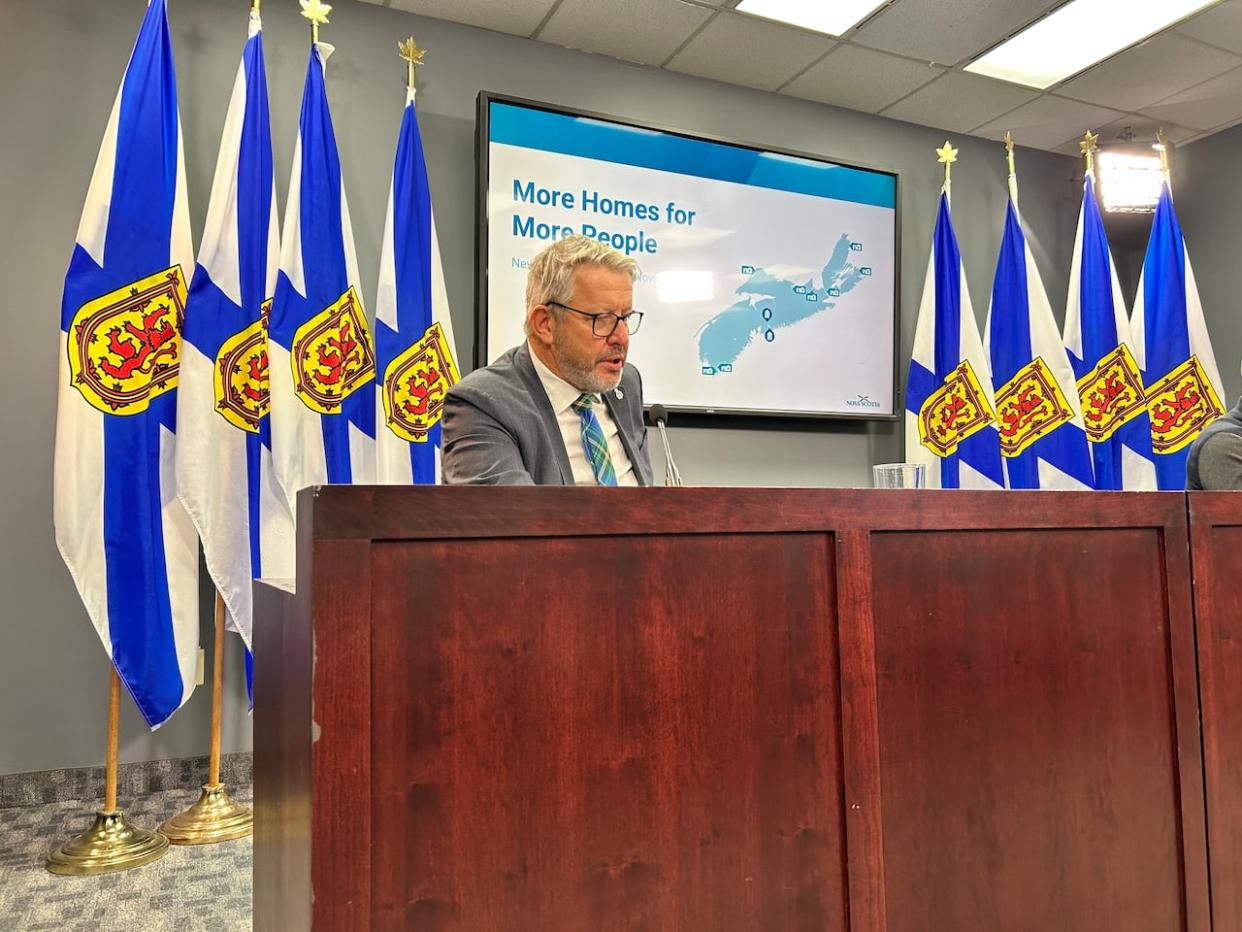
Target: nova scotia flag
x,y
413,332
1039,417
1097,337
1172,348
225,475
125,537
950,420
320,349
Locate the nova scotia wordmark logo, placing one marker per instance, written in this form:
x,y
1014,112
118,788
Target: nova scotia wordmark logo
x,y
862,401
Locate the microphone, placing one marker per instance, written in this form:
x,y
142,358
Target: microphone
x,y
672,476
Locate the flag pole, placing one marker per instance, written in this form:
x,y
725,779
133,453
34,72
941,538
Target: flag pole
x,y
112,843
215,817
946,155
1162,146
317,12
1012,180
413,57
1088,147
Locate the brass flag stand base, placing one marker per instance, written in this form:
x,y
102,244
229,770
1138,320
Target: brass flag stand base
x,y
112,843
214,817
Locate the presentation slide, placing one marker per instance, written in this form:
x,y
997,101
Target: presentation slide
x,y
767,280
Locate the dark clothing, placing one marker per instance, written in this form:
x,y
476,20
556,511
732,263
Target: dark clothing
x,y
1215,460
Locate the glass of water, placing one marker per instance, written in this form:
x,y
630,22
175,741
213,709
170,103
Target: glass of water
x,y
898,476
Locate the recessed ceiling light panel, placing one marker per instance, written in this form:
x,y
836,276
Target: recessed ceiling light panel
x,y
1130,180
1077,36
833,17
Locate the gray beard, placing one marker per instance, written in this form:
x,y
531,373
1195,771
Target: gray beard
x,y
583,377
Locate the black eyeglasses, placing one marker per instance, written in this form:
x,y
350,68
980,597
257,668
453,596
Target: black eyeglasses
x,y
603,325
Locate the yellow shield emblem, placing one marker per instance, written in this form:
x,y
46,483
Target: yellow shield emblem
x,y
241,377
1111,393
415,383
1181,404
332,355
125,346
954,411
1029,406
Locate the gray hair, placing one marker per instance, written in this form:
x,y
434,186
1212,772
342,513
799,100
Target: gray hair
x,y
551,275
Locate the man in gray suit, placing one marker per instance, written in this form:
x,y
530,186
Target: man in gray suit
x,y
563,408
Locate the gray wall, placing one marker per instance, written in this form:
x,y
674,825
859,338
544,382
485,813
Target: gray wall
x,y
61,62
1209,205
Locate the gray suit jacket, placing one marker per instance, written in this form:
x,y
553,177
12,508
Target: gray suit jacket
x,y
499,427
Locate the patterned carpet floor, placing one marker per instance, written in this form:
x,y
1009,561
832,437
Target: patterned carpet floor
x,y
198,887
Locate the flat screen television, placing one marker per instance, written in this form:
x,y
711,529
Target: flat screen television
x,y
768,278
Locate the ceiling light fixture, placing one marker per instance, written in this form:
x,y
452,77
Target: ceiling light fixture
x,y
833,17
1131,175
1077,36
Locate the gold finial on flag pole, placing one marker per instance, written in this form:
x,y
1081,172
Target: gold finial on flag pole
x,y
254,6
1088,147
317,12
1162,146
1009,151
413,57
946,155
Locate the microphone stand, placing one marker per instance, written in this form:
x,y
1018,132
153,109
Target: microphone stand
x,y
672,475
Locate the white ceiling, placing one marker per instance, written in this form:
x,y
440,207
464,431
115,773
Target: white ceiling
x,y
905,62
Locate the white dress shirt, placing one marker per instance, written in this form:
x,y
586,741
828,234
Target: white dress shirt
x,y
563,395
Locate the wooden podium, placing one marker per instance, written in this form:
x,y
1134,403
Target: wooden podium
x,y
737,709
1216,551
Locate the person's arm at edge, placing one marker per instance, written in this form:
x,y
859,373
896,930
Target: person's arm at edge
x,y
478,450
1220,462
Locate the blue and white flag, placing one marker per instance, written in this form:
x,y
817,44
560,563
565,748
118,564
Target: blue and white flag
x,y
225,475
1172,348
1038,414
125,537
1097,338
950,420
322,356
413,332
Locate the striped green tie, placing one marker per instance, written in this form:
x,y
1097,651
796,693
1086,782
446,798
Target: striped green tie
x,y
594,443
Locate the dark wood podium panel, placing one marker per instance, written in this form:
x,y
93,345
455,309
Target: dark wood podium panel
x,y
708,710
1216,553
1028,730
595,733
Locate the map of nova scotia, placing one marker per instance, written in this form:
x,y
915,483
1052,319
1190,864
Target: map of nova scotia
x,y
774,304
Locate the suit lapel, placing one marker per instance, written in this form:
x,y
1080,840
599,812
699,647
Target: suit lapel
x,y
526,369
623,430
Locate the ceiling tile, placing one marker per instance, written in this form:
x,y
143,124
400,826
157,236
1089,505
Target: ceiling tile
x,y
947,31
644,31
860,79
1161,66
1048,121
1221,25
750,51
959,102
518,17
1205,106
